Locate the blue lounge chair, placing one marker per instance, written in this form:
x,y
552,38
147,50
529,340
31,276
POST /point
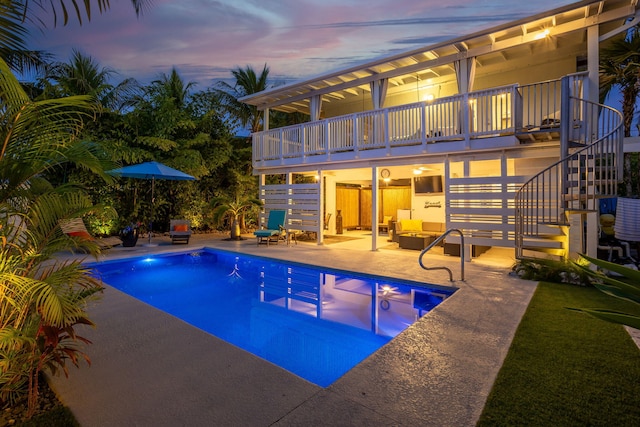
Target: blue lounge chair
x,y
275,228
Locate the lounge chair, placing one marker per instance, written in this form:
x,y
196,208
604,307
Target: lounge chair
x,y
385,224
180,230
75,227
275,228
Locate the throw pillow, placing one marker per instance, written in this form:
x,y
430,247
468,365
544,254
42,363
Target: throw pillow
x,y
181,227
411,225
81,234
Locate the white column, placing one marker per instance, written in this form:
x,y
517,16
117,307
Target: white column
x,y
374,208
265,119
315,107
379,92
593,63
320,234
329,183
465,76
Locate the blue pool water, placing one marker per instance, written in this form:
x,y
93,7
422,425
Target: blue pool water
x,y
316,323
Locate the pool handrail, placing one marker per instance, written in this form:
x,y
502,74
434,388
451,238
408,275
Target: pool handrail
x,y
438,240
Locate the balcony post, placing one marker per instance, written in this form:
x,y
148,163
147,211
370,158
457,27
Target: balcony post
x,y
565,116
465,119
281,136
385,130
325,137
354,136
423,126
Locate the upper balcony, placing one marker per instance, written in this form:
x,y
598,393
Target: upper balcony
x,y
495,118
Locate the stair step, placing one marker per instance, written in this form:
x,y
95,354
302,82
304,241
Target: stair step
x,y
554,224
533,255
579,211
576,144
542,244
578,197
550,236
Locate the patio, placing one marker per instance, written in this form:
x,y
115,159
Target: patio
x,y
149,368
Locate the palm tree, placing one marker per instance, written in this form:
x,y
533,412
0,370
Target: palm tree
x,y
62,7
247,83
84,76
12,40
620,67
13,32
232,209
172,87
41,300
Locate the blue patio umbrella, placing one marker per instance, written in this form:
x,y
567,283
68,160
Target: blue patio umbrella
x,y
152,171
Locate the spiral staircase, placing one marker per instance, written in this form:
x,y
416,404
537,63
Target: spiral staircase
x,y
562,195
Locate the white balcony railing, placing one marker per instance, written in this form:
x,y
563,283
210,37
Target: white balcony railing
x,y
488,113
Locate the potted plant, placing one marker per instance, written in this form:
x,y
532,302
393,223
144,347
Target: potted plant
x,y
129,234
224,208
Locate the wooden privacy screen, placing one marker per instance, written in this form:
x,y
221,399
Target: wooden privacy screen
x,y
392,199
355,204
348,203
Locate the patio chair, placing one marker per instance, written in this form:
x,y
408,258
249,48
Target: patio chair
x,y
180,230
275,228
75,227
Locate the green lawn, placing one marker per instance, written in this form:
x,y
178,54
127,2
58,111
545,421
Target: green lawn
x,y
566,368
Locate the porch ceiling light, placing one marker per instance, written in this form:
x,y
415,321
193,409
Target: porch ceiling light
x,y
541,35
417,171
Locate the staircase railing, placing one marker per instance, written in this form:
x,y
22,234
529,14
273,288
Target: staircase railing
x,y
590,167
438,240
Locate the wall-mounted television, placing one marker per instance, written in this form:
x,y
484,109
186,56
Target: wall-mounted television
x,y
428,184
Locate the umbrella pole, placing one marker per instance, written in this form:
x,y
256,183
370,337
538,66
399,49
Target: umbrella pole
x,y
153,202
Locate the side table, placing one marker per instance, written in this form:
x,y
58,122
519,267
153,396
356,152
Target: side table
x,y
415,241
292,235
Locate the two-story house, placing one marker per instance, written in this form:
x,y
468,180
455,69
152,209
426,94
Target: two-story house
x,y
498,134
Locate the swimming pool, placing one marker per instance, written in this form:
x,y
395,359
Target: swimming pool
x,y
316,323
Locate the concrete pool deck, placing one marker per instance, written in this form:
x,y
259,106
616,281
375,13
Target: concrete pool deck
x,y
152,369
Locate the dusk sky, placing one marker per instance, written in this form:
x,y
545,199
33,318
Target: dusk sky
x,y
204,39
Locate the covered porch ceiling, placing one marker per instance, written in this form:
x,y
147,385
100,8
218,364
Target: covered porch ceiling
x,y
395,173
561,28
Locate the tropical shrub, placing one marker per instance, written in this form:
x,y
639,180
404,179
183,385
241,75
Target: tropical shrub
x,y
549,270
233,210
42,300
626,287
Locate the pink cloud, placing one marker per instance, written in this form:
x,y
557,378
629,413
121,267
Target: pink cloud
x,y
205,39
